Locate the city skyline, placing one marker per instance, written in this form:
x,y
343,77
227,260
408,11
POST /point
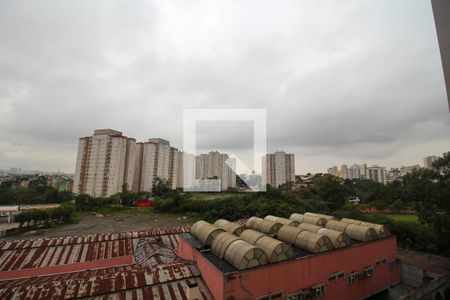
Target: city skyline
x,y
422,162
341,82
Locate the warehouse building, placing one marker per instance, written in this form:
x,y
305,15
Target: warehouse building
x,y
303,257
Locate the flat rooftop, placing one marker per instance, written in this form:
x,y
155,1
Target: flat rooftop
x,y
225,267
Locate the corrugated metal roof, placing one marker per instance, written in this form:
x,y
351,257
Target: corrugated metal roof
x,y
171,290
62,241
158,273
98,282
89,238
25,258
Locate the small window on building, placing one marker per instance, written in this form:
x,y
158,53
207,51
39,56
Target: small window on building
x,y
368,272
394,262
297,296
352,278
318,290
335,277
274,296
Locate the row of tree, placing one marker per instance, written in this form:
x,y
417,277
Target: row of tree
x,y
426,191
37,192
39,218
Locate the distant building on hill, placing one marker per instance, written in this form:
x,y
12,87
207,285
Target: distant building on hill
x,y
429,160
377,173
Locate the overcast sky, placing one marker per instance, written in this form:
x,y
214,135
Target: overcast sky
x,y
342,81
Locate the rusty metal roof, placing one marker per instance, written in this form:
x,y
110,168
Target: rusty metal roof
x,y
157,274
170,290
62,241
97,282
25,258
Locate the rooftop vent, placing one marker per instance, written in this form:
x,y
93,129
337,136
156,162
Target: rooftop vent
x,y
283,221
308,219
306,240
274,249
264,226
231,227
381,230
238,252
205,232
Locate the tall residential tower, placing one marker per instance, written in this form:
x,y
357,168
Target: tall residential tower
x,y
104,163
279,168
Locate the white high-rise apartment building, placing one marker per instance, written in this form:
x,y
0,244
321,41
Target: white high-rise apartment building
x,y
429,160
159,160
104,163
278,168
213,166
377,173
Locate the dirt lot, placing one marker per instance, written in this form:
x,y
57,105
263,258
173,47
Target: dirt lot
x,y
131,219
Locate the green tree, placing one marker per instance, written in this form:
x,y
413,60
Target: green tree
x,y
161,187
126,196
83,201
331,190
431,189
65,196
398,205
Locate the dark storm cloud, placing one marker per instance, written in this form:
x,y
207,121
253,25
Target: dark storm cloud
x,y
342,82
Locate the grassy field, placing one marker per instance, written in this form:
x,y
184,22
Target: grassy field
x,y
113,219
402,217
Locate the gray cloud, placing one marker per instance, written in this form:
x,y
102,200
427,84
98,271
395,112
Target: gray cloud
x,y
342,82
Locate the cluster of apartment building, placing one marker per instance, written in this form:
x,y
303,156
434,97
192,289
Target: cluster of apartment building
x,y
107,160
377,173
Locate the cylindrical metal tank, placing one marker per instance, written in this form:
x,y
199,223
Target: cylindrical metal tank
x,y
238,252
308,219
288,234
361,233
313,242
283,221
242,255
351,221
326,217
268,227
339,239
336,225
304,239
252,222
221,243
309,227
230,227
205,232
264,226
274,249
382,231
251,236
